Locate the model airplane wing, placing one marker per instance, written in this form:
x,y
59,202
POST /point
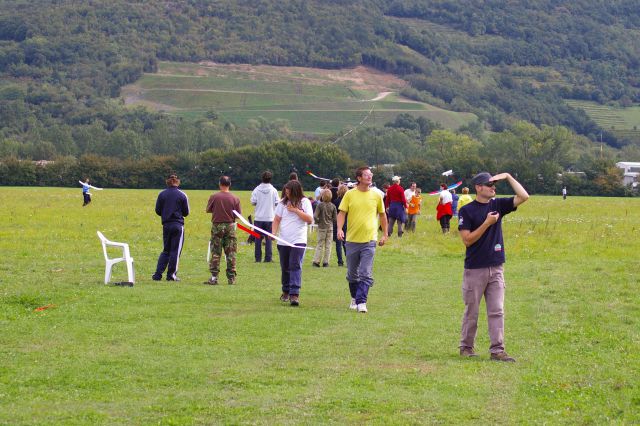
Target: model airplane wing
x,y
90,186
449,188
252,226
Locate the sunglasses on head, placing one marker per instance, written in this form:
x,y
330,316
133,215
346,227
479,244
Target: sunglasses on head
x,y
489,184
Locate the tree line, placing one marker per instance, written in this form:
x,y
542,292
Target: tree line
x,y
539,157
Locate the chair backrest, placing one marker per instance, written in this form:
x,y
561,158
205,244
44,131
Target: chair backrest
x,y
104,242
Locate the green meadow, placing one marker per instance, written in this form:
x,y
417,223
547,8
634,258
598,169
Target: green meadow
x,y
190,354
312,100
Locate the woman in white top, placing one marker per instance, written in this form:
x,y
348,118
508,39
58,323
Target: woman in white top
x,y
293,213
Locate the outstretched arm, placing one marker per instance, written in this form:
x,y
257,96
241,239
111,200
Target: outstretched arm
x,y
521,194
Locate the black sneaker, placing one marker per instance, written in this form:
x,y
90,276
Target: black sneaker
x,y
324,265
156,277
316,264
176,279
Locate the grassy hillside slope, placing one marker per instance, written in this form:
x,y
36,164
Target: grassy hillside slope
x,y
312,100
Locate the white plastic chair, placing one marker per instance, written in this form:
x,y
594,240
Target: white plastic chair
x,y
126,257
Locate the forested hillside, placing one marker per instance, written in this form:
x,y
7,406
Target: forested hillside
x,y
63,62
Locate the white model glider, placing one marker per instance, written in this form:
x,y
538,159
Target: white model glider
x,y
447,173
90,186
255,228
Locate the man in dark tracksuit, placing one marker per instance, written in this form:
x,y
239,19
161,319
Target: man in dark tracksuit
x,y
173,206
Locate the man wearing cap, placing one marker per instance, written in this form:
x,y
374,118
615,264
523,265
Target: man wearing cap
x,y
480,227
172,206
223,231
396,205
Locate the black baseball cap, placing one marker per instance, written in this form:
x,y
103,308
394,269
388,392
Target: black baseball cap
x,y
481,178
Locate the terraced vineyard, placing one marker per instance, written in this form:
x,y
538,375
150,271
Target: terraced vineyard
x,y
623,122
312,100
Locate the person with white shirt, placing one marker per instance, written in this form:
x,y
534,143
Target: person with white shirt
x,y
292,216
410,191
444,209
265,198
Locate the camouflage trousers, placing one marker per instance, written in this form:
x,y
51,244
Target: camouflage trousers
x,y
223,237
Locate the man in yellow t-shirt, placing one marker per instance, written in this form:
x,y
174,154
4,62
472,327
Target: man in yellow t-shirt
x,y
365,209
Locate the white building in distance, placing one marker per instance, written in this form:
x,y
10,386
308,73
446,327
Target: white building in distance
x,y
631,172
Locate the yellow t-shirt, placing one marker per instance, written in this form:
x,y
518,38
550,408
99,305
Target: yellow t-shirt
x,y
463,200
363,208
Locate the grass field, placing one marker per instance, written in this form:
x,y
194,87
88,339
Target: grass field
x,y
312,100
186,353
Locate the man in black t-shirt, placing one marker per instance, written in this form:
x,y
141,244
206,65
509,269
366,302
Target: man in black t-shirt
x,y
480,227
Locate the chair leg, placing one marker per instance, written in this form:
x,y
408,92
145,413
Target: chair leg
x,y
131,274
107,272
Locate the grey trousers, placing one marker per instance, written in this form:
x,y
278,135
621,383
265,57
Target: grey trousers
x,y
487,282
360,269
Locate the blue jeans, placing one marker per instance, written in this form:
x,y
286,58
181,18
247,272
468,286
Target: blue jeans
x,y
267,242
359,269
291,267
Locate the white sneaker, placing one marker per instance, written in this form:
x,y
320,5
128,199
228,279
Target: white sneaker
x,y
362,307
353,306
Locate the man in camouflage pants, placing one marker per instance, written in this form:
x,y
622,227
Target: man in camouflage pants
x,y
223,231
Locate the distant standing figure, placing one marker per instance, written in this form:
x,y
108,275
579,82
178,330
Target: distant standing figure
x,y
324,216
454,202
365,210
86,195
414,210
172,206
410,191
340,244
396,205
223,230
293,214
480,228
265,198
564,192
443,209
465,198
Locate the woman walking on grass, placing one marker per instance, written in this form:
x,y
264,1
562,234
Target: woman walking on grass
x,y
293,213
324,216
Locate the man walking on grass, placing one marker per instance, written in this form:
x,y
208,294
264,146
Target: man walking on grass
x,y
365,208
480,227
223,231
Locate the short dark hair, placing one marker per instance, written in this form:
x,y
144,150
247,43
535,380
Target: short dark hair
x,y
335,182
225,181
360,171
266,176
293,176
173,180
